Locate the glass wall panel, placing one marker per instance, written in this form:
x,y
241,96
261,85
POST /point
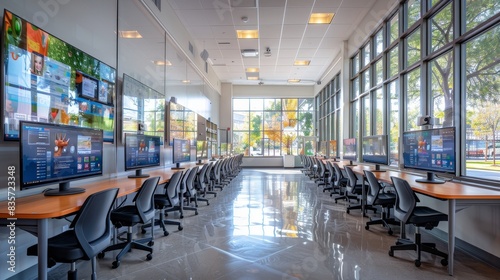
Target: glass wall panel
x,y
366,116
366,54
394,28
379,112
478,11
443,95
379,72
394,122
365,80
393,58
442,28
355,120
413,99
379,42
355,64
413,48
413,11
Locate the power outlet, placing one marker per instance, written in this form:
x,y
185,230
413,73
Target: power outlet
x,y
65,228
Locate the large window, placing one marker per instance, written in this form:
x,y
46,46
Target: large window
x,y
425,78
271,126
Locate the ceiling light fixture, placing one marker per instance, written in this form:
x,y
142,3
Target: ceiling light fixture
x,y
250,53
130,34
301,62
162,62
247,34
293,80
321,18
268,52
252,70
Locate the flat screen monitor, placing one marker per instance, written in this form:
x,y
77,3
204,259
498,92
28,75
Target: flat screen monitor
x,y
374,150
322,149
201,150
333,149
181,152
48,80
141,151
51,153
350,149
432,150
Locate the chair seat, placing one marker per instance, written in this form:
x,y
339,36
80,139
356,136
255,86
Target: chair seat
x,y
125,216
425,216
385,199
63,248
161,201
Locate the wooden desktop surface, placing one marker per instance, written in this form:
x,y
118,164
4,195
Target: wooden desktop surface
x,y
448,190
39,206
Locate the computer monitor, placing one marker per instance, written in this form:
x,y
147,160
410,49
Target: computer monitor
x,y
52,153
350,150
432,150
181,152
374,150
141,151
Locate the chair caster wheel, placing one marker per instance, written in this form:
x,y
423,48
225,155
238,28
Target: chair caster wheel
x,y
180,228
391,253
143,231
100,255
149,257
417,263
208,203
347,211
165,233
444,262
390,232
151,243
116,264
196,213
182,217
367,227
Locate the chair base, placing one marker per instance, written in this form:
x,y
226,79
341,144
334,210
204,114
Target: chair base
x,y
382,221
128,246
419,247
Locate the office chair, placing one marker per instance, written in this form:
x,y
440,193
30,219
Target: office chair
x,y
339,182
190,191
89,234
167,200
377,196
141,212
330,179
353,189
200,183
408,212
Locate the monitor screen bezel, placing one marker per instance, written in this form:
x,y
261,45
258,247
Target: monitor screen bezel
x,y
25,186
431,169
126,150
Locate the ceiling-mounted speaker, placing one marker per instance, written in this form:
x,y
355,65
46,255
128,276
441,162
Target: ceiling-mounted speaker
x,y
204,55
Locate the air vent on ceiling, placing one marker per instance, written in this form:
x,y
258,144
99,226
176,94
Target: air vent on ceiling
x,y
224,43
243,3
219,64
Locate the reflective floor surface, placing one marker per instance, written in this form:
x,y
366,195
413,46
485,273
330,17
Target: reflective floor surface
x,y
277,224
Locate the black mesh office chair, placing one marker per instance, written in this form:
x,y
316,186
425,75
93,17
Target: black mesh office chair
x,y
201,185
89,234
167,200
386,200
356,190
141,212
408,212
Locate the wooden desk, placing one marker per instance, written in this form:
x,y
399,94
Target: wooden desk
x,y
458,195
33,212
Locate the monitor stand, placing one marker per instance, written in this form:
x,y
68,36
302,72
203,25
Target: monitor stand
x,y
64,189
177,167
138,174
350,163
431,178
377,168
199,162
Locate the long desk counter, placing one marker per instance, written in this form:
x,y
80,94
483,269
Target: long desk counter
x,y
457,194
34,211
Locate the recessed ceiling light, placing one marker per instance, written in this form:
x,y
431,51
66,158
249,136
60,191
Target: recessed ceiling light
x,y
252,78
247,34
186,81
249,53
161,62
293,80
321,18
130,34
301,62
252,69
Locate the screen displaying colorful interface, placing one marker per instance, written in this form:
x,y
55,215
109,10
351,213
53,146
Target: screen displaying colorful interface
x,y
375,149
141,151
53,153
48,80
181,151
432,149
350,149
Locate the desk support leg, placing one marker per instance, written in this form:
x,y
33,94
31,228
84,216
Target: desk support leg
x,y
451,234
43,236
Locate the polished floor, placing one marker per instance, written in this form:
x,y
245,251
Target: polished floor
x,y
277,224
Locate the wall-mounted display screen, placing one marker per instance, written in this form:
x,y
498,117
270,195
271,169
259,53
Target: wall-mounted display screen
x,y
52,153
141,151
350,149
50,81
374,149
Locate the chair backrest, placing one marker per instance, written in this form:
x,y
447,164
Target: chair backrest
x,y
321,168
190,186
144,200
338,175
375,187
331,171
92,225
351,176
208,172
200,178
406,200
172,188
